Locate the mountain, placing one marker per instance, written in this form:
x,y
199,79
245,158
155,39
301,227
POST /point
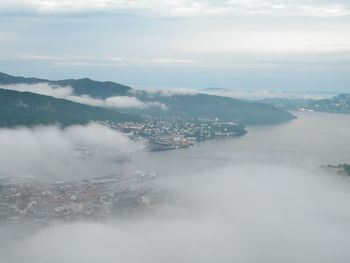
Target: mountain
x,y
187,106
288,104
27,109
336,104
211,107
97,89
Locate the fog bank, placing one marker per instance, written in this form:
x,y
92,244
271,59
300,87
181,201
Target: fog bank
x,y
52,153
67,92
258,198
252,212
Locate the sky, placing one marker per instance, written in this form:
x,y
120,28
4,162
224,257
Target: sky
x,y
290,46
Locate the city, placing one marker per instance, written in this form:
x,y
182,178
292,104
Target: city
x,y
175,133
24,199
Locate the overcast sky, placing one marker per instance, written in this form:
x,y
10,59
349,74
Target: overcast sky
x,y
299,45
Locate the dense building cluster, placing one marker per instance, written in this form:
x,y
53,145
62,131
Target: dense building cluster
x,y
27,199
173,133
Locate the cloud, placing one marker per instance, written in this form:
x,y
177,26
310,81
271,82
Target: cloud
x,y
51,153
247,212
110,61
38,57
231,93
85,64
68,94
326,8
122,61
260,198
86,99
120,102
131,102
271,41
172,61
6,36
153,61
167,92
41,88
266,94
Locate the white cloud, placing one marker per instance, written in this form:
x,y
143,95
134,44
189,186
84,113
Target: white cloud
x,y
67,93
246,212
260,198
51,153
38,57
233,93
86,99
120,102
5,36
124,102
108,61
168,92
85,64
172,61
42,88
325,8
266,94
235,40
122,61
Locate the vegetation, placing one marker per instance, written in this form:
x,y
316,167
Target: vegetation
x,y
183,106
212,107
337,104
342,169
25,108
97,89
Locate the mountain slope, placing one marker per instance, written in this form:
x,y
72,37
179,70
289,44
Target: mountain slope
x,y
97,89
223,108
185,106
25,108
336,104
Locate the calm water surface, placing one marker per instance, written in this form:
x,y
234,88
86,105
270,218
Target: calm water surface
x,y
312,138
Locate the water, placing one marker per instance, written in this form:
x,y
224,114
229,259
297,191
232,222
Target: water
x,y
313,138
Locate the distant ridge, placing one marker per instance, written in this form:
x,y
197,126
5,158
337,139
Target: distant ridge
x,y
28,109
336,104
212,107
186,106
97,89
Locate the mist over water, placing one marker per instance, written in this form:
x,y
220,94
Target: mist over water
x,y
310,140
256,198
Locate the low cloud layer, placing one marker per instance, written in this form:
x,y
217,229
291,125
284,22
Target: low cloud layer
x,y
266,94
251,212
67,93
168,92
235,93
51,153
41,88
258,198
324,8
133,102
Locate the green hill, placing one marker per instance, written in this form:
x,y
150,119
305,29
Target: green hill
x,y
97,89
28,109
336,104
211,107
185,106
